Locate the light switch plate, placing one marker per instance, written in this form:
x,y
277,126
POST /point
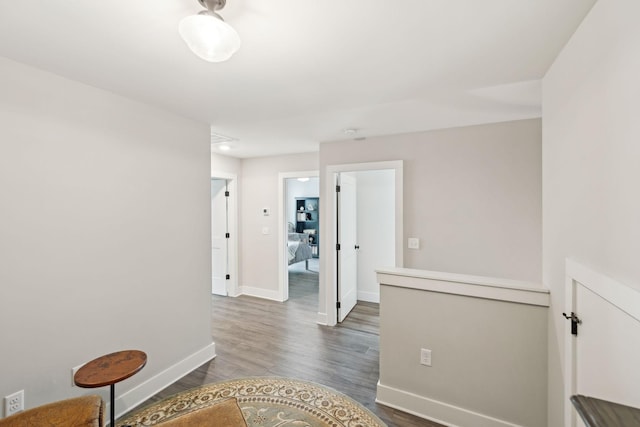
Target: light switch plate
x,y
425,357
413,243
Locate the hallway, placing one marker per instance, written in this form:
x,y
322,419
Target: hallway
x,y
257,337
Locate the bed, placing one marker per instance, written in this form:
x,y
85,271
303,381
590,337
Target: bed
x,y
298,248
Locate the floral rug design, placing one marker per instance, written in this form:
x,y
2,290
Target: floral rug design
x,y
265,402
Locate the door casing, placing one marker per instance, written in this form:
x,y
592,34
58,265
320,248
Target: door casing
x,y
232,252
219,243
327,314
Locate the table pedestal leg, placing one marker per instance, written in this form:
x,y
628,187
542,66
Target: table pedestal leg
x,y
113,405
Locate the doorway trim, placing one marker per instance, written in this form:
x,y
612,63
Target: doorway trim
x,y
232,216
283,277
622,297
328,280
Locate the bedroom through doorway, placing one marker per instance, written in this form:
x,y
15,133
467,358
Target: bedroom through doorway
x,y
301,238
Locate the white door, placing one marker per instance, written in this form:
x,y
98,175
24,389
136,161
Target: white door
x,y
348,253
607,351
376,229
602,359
219,241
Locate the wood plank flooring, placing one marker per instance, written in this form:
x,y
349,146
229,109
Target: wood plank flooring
x,y
256,337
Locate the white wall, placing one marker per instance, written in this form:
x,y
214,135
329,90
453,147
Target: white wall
x,y
259,189
590,163
225,164
472,195
376,225
104,233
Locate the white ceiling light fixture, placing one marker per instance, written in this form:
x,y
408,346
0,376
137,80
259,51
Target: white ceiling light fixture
x,y
207,35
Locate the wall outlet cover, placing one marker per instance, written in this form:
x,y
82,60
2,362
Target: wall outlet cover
x,y
413,243
14,403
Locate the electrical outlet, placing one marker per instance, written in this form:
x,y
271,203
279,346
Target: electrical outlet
x,y
425,357
14,403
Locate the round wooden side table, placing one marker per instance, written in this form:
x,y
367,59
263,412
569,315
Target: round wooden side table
x,y
109,370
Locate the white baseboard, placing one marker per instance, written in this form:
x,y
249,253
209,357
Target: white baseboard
x,y
261,293
439,412
134,397
322,319
369,296
235,292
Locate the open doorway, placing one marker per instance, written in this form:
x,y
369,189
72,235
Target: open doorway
x,y
364,232
300,244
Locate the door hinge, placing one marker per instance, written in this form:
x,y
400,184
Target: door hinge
x,y
337,188
338,304
227,277
337,246
226,194
227,235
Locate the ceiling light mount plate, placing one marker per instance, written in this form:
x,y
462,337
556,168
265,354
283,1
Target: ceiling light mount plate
x,y
213,4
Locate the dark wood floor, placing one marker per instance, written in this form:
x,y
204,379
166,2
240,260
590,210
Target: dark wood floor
x,y
257,337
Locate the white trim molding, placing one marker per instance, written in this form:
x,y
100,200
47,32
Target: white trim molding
x,y
232,254
261,293
328,280
434,410
623,297
134,397
463,284
322,319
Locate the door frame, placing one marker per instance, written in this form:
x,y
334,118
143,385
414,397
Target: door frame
x,y
220,223
283,264
232,216
328,280
617,294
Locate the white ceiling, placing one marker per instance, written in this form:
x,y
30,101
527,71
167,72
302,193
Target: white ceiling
x,y
307,69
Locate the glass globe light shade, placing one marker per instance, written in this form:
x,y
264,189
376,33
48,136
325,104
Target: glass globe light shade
x,y
209,37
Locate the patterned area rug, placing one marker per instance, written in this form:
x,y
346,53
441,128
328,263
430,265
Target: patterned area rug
x,y
265,402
